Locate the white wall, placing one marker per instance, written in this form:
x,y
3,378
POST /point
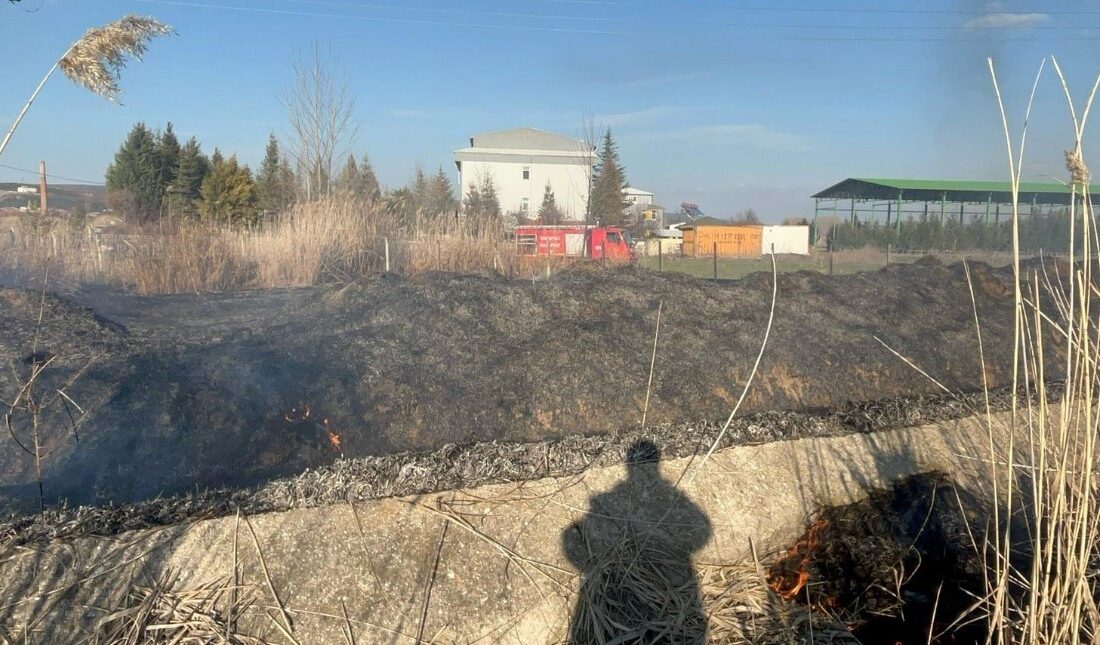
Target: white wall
x,y
637,199
787,239
568,180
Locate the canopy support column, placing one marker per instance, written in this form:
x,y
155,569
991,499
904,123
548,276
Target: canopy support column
x,y
813,231
897,220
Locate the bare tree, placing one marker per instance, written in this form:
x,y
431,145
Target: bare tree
x,y
586,155
747,216
321,111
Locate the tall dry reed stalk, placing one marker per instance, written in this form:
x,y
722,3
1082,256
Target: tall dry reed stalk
x,y
96,60
1042,549
325,241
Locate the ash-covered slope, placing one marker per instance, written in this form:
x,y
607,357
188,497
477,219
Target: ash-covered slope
x,y
214,390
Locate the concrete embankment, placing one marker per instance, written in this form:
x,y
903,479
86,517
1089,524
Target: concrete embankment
x,y
498,562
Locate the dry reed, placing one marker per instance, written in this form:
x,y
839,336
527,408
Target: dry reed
x,y
95,60
155,611
1043,547
330,240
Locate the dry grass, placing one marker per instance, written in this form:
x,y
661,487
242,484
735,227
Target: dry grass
x,y
741,608
325,241
156,611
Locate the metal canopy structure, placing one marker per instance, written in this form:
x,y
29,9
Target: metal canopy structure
x,y
862,199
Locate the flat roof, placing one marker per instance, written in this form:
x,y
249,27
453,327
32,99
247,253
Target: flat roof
x,y
714,221
934,190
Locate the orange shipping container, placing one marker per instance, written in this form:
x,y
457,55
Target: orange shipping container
x,y
732,240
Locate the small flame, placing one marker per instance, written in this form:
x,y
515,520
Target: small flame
x,y
333,437
803,549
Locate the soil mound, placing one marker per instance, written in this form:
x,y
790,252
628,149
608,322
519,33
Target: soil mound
x,y
190,392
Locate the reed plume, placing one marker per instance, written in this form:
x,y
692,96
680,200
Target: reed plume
x,y
96,60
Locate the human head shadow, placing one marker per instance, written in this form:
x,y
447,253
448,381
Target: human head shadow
x,y
633,548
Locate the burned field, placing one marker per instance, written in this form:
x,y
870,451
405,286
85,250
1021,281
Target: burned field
x,y
165,411
168,394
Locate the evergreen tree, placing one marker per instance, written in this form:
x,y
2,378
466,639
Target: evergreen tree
x,y
609,182
168,156
420,190
134,177
288,184
481,201
441,196
549,213
228,192
402,204
368,184
271,190
347,181
192,169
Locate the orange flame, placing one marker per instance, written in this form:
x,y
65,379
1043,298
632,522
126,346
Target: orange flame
x,y
803,549
333,437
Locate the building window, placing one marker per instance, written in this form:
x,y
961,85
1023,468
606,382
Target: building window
x,y
525,205
526,172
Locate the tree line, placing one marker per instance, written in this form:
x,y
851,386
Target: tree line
x,y
1039,231
153,175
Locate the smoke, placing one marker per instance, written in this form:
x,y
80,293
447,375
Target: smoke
x,y
967,140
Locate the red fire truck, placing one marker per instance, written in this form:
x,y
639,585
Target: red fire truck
x,y
609,243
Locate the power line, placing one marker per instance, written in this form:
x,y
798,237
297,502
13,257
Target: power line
x,y
535,16
415,21
448,23
62,178
867,10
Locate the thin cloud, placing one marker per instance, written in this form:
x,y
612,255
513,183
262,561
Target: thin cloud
x,y
1006,20
408,113
750,135
643,116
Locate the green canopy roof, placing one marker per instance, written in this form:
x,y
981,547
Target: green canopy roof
x,y
934,190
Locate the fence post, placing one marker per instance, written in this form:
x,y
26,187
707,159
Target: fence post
x,y
386,243
888,247
660,256
830,262
715,260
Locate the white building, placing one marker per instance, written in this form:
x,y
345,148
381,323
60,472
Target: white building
x,y
27,190
521,162
637,197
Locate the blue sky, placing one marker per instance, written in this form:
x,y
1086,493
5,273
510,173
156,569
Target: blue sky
x,y
732,104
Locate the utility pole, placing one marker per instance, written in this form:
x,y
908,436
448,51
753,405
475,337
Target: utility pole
x,y
42,202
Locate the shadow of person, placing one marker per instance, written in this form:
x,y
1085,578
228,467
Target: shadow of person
x,y
633,549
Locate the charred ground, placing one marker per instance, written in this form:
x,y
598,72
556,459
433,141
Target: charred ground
x,y
185,392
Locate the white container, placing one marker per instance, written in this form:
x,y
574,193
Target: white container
x,y
794,240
